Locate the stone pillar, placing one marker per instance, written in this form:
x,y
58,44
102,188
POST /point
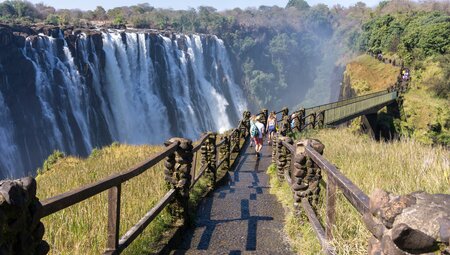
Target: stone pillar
x,y
274,148
285,125
301,119
225,153
246,123
321,120
306,175
282,157
284,112
21,230
178,176
264,115
417,223
313,120
211,172
236,140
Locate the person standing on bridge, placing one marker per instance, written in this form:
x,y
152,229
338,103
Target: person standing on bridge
x,y
256,133
271,125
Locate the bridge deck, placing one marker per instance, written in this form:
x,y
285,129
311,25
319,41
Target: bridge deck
x,y
241,217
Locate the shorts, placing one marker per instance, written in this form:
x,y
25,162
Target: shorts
x,y
258,141
271,129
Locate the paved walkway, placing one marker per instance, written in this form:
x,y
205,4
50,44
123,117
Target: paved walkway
x,y
240,217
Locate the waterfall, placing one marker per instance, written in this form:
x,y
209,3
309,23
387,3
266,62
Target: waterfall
x,y
130,87
9,160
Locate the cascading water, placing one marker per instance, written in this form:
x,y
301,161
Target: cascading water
x,y
127,87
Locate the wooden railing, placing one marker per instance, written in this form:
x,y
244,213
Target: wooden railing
x,y
214,155
298,165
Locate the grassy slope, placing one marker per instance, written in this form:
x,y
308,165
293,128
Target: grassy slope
x,y
421,107
367,74
400,167
82,229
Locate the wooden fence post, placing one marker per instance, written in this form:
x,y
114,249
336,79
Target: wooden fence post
x,y
331,207
113,219
177,174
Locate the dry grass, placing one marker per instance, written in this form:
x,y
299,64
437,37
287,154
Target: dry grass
x,y
368,74
400,167
82,229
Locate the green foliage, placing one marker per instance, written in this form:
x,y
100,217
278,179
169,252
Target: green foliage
x,y
52,19
440,85
119,20
415,36
51,161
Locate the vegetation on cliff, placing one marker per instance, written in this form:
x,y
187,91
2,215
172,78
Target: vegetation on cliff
x,y
400,167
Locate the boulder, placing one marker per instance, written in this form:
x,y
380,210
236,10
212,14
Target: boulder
x,y
416,223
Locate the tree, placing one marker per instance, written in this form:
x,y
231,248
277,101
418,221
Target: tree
x,y
100,13
7,9
299,4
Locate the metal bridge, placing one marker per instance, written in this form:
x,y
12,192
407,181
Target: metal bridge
x,y
345,110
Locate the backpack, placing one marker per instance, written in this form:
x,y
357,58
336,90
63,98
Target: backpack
x,y
254,132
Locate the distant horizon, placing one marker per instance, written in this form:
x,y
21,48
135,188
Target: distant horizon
x,y
183,5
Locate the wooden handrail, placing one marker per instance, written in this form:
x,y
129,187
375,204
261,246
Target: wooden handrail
x,y
200,142
358,199
222,142
62,201
202,171
354,194
290,147
134,231
317,227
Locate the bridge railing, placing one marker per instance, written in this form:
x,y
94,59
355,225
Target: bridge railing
x,y
301,166
343,102
185,164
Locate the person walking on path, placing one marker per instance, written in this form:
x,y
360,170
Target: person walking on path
x,y
271,126
256,133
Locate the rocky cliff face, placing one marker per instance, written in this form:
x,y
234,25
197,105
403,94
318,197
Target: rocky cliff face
x,y
74,90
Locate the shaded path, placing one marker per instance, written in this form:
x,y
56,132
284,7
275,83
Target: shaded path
x,y
240,217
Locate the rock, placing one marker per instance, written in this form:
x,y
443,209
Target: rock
x,y
417,223
11,193
30,185
389,248
43,248
427,214
6,37
408,239
378,199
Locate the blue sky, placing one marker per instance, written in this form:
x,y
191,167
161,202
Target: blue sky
x,y
179,4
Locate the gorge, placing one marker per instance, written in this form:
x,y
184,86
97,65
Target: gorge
x,y
77,90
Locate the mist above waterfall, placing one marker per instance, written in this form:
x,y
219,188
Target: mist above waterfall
x,y
130,87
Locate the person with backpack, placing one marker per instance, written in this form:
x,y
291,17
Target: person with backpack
x,y
256,133
271,126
